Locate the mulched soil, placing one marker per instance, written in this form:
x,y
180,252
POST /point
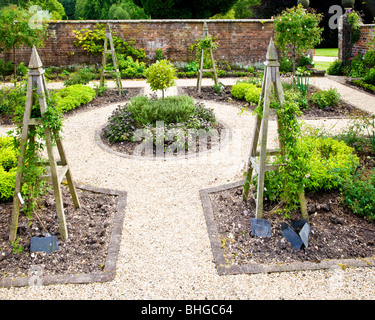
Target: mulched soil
x,y
85,250
336,233
343,110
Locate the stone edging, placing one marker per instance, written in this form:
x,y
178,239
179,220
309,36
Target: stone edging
x,y
224,269
109,270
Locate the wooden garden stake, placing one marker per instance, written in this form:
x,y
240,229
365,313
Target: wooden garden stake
x,y
271,78
111,51
201,70
58,168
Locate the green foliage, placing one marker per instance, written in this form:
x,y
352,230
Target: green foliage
x,y
358,191
369,58
12,98
159,54
161,75
6,68
126,10
356,67
248,91
81,76
178,113
8,168
326,98
354,20
174,9
286,64
364,85
370,76
336,68
54,7
93,9
92,41
130,68
73,96
174,109
297,30
192,66
17,247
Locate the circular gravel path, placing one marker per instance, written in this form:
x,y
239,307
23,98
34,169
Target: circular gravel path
x,y
165,251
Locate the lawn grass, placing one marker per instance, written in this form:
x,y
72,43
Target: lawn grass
x,y
322,65
327,52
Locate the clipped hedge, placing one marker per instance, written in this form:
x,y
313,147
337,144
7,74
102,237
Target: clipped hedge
x,y
73,96
8,168
248,91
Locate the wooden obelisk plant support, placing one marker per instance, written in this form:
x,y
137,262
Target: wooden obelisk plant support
x,y
37,90
108,39
257,159
201,70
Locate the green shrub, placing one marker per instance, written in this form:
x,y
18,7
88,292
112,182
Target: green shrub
x,y
370,76
286,65
81,76
305,61
22,69
356,68
364,85
239,89
330,162
335,68
326,98
161,75
370,58
178,112
6,69
358,191
130,68
7,183
174,109
8,158
12,98
73,96
192,67
252,94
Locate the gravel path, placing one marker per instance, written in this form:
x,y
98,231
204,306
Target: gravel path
x,y
165,251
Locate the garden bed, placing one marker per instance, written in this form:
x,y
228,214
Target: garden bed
x,y
89,254
337,235
343,110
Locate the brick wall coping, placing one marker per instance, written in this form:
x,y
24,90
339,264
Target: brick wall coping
x,y
166,21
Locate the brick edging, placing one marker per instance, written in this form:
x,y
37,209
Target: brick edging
x,y
109,270
224,269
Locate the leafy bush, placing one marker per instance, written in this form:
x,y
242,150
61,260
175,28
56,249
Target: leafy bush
x,y
252,94
364,85
330,162
6,69
192,66
174,109
370,76
73,96
142,112
12,98
22,69
335,68
130,68
81,76
8,168
356,68
358,191
305,61
370,58
326,98
7,183
161,75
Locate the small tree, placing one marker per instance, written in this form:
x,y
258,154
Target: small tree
x,y
15,31
297,30
161,75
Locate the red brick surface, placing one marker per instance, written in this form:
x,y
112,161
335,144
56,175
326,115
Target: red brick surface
x,y
239,41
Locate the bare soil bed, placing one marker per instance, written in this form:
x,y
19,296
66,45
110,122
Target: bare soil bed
x,y
85,250
336,233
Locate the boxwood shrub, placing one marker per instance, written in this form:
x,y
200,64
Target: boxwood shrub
x,y
73,96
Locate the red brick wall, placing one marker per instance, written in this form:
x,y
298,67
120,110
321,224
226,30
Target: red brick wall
x,y
366,34
239,41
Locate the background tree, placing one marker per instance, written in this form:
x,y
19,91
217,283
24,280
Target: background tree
x,y
15,31
55,8
93,9
240,10
184,9
70,8
126,10
297,30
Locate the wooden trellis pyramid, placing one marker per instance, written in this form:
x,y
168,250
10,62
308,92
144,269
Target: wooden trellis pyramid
x,y
108,39
58,168
201,70
257,158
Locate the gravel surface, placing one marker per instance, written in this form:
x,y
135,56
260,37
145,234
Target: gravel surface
x,y
165,251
